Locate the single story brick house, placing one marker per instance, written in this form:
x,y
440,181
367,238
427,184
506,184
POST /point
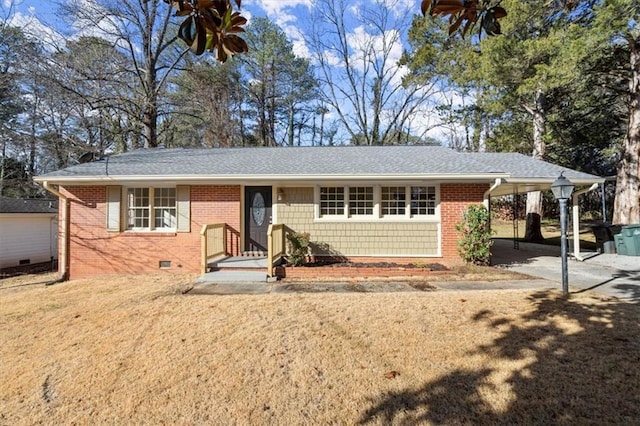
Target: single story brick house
x,y
173,209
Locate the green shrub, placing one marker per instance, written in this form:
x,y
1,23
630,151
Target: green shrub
x,y
298,248
475,243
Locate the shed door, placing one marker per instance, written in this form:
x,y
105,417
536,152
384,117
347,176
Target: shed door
x,y
257,217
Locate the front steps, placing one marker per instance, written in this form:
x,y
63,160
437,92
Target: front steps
x,y
237,269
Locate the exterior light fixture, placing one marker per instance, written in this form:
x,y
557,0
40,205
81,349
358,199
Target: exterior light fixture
x,y
562,189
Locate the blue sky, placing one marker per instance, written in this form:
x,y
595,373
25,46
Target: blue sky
x,y
286,13
292,16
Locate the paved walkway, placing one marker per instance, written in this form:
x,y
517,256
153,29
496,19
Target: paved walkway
x,y
608,274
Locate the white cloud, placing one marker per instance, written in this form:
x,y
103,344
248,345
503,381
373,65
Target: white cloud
x,y
400,7
280,11
47,36
332,59
277,7
92,20
367,47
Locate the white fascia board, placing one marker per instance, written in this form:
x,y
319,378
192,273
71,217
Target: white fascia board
x,y
587,181
243,179
523,185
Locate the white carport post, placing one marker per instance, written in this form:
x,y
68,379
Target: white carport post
x,y
576,221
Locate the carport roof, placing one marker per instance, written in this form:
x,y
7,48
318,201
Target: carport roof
x,y
336,163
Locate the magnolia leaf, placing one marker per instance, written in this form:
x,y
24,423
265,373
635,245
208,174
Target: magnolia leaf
x,y
446,7
212,41
235,44
490,24
226,19
210,25
466,12
221,55
470,24
426,6
193,33
456,25
187,30
237,19
498,12
211,20
204,5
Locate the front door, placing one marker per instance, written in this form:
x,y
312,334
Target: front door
x,y
257,217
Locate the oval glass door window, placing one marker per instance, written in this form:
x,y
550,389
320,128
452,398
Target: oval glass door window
x,y
258,209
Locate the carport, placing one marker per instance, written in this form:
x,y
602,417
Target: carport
x,y
528,174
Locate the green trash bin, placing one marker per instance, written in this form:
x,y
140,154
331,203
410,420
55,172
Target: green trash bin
x,y
621,247
631,237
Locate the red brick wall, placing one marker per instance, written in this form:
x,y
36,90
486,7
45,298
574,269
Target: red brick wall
x,y
94,251
454,200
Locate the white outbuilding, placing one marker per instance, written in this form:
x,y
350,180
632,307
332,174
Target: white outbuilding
x,y
28,231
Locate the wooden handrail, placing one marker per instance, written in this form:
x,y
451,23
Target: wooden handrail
x,y
275,246
213,243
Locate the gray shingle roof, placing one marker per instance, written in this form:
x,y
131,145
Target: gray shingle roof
x,y
28,205
320,162
525,167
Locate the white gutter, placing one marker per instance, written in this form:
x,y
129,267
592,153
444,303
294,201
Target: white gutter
x,y
229,178
486,198
63,262
576,222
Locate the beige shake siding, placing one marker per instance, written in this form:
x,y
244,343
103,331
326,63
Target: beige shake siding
x,y
355,238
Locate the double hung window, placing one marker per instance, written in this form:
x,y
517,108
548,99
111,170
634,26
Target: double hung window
x,y
393,200
360,201
331,201
423,200
151,208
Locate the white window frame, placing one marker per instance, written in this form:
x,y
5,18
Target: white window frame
x,y
397,205
428,201
151,208
377,215
319,201
358,204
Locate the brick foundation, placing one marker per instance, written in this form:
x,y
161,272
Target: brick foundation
x,y
302,273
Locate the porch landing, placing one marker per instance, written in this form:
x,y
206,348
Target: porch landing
x,y
239,262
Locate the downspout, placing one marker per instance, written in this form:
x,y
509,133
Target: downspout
x,y
486,198
576,222
487,194
63,261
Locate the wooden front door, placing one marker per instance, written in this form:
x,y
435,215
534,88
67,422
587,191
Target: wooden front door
x,y
257,217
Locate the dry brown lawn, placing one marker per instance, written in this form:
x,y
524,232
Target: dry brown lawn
x,y
550,231
136,350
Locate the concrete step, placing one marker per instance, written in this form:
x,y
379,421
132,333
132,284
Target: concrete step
x,y
238,262
238,276
255,253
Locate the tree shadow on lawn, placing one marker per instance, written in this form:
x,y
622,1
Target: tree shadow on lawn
x,y
588,373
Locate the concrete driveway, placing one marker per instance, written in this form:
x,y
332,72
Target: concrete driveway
x,y
608,274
